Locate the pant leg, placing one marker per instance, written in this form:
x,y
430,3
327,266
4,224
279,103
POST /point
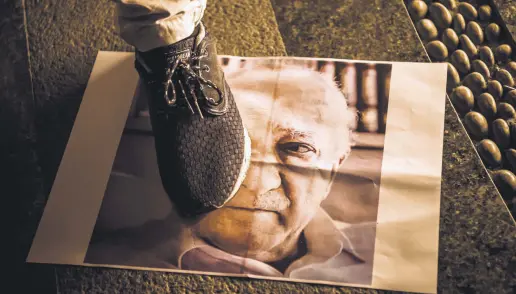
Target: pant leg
x,y
148,24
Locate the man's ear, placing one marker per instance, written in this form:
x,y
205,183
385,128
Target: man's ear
x,y
334,170
336,166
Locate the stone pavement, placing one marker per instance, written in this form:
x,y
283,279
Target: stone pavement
x,y
48,54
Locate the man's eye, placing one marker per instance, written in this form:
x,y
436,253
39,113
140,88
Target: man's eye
x,y
296,147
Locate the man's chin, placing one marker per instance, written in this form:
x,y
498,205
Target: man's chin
x,y
242,232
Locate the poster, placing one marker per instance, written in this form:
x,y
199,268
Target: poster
x,y
356,203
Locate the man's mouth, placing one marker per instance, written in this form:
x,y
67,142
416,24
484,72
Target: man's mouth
x,y
250,209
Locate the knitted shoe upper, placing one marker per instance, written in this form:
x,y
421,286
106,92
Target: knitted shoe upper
x,y
199,137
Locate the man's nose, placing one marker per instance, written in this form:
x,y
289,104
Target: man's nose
x,y
262,177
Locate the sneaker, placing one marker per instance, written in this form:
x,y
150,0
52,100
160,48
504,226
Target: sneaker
x,y
202,147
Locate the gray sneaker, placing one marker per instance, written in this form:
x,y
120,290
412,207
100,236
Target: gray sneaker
x,y
202,147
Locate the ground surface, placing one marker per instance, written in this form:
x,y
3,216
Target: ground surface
x,y
46,58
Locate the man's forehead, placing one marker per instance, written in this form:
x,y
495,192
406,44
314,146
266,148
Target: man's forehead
x,y
290,99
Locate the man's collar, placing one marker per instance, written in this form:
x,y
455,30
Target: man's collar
x,y
324,242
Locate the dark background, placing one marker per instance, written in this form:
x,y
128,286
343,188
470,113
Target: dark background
x,y
47,51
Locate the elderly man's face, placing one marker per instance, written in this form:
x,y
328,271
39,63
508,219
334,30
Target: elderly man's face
x,y
292,127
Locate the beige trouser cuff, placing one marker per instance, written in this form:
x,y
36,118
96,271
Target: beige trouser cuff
x,y
148,24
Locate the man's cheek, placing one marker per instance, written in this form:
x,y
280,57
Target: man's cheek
x,y
305,187
310,168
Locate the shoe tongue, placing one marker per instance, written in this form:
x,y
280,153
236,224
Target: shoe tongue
x,y
160,58
157,60
182,49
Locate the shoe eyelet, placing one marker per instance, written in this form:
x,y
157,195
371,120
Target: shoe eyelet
x,y
211,101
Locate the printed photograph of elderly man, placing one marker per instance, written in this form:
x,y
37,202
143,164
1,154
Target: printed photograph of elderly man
x,y
307,208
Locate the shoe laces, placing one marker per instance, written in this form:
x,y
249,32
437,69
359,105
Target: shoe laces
x,y
190,76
